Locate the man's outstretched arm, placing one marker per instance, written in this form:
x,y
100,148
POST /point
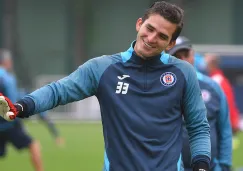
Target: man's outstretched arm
x,y
80,84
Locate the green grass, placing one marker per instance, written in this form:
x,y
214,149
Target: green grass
x,y
83,150
238,153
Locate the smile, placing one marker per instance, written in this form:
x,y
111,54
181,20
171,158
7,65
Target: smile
x,y
146,44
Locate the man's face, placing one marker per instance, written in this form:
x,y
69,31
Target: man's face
x,y
209,60
154,36
190,57
8,64
186,55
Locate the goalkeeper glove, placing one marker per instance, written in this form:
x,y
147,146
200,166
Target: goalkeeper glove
x,y
7,110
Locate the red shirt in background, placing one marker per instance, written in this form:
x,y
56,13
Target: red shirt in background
x,y
224,83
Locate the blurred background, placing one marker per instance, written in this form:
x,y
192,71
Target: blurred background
x,y
49,39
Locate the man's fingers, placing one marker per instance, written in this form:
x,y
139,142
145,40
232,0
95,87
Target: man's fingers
x,y
9,116
3,101
12,117
7,110
4,104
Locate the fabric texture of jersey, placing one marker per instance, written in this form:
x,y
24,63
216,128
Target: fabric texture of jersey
x,y
218,118
8,87
142,103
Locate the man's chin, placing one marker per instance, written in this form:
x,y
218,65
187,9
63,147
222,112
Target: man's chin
x,y
145,54
148,55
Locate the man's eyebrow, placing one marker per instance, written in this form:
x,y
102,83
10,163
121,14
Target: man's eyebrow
x,y
149,25
164,36
160,34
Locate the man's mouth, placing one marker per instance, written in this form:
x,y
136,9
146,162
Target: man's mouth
x,y
148,45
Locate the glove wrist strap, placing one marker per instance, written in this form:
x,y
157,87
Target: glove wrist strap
x,y
19,107
25,107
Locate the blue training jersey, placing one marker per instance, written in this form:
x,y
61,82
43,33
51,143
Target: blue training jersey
x,y
141,102
218,118
8,87
22,93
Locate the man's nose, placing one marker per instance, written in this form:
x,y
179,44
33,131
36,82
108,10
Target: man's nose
x,y
152,38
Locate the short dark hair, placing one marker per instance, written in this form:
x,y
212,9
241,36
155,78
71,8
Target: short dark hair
x,y
170,12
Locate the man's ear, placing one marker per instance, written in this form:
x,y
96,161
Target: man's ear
x,y
139,24
170,45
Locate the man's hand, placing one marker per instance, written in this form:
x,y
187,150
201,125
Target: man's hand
x,y
201,166
7,109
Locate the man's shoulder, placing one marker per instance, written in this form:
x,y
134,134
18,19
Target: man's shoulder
x,y
205,78
4,75
178,62
100,63
215,86
107,58
184,66
3,71
208,80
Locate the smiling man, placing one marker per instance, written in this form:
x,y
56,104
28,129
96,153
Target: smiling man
x,y
142,93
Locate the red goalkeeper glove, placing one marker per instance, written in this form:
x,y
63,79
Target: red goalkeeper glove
x,y
7,110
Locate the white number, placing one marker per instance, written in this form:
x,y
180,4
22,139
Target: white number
x,y
119,87
125,88
122,88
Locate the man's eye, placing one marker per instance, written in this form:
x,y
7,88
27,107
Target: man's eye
x,y
150,29
163,37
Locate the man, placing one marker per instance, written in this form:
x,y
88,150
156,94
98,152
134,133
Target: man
x,y
212,61
14,132
217,113
142,94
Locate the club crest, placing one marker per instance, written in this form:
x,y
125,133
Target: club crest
x,y
206,95
168,79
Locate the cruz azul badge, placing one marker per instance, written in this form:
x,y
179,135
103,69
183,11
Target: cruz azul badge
x,y
168,79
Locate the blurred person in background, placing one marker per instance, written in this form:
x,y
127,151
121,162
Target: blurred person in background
x,y
142,94
213,68
199,63
212,61
217,114
43,117
52,128
14,132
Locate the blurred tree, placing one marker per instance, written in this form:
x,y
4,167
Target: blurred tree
x,y
1,23
10,40
237,22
